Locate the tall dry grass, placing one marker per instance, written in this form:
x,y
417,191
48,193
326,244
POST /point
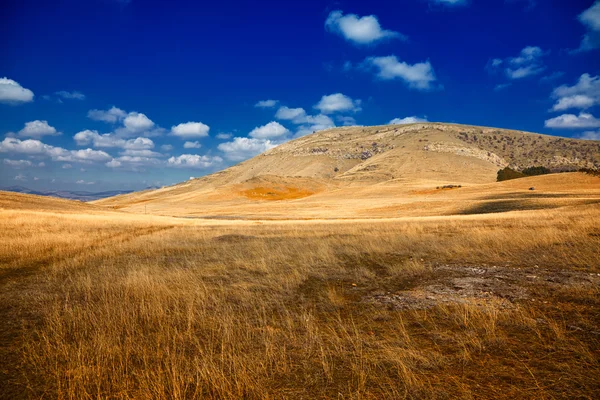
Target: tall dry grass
x,y
100,306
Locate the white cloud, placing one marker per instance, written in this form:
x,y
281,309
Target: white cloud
x,y
190,130
337,102
242,148
407,120
82,182
20,177
359,30
271,130
109,140
18,163
266,103
590,18
572,121
67,166
141,153
37,129
193,161
13,93
346,120
290,114
590,135
314,124
528,63
224,135
84,155
113,163
192,145
31,146
577,101
70,95
137,122
584,94
112,115
418,76
166,147
135,160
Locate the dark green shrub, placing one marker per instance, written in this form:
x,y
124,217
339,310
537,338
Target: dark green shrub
x,y
533,171
508,174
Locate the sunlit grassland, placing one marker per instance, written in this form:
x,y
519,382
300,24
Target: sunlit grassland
x,y
115,305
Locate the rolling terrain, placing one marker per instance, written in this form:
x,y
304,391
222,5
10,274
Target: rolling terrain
x,y
384,171
335,266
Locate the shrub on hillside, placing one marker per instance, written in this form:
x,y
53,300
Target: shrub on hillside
x,y
533,171
508,173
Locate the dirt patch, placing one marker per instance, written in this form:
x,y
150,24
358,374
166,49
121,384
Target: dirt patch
x,y
478,285
276,193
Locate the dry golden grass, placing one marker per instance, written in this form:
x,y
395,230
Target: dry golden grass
x,y
97,304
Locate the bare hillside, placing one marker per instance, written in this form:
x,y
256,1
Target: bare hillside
x,y
400,158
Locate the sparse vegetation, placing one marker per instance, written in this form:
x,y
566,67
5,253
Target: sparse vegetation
x,y
507,173
111,305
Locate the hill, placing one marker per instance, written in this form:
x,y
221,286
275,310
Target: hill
x,y
358,163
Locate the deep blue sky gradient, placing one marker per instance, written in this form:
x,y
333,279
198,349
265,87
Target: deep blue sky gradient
x,y
180,60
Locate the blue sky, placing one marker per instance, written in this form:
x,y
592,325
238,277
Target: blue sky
x,y
114,94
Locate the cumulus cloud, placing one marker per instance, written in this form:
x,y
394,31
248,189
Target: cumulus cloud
x,y
242,148
407,120
13,93
113,163
193,161
584,94
572,121
590,135
224,135
290,114
529,62
18,163
140,153
166,147
133,123
418,76
137,122
87,137
20,177
36,147
135,160
359,30
37,129
315,123
337,102
190,130
271,130
112,115
70,95
346,120
266,103
590,18
192,145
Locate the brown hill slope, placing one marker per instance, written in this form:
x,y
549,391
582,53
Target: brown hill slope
x,y
350,162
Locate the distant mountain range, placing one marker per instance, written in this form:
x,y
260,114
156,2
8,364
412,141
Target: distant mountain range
x,y
67,194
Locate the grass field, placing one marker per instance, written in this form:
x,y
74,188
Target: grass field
x,y
102,304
